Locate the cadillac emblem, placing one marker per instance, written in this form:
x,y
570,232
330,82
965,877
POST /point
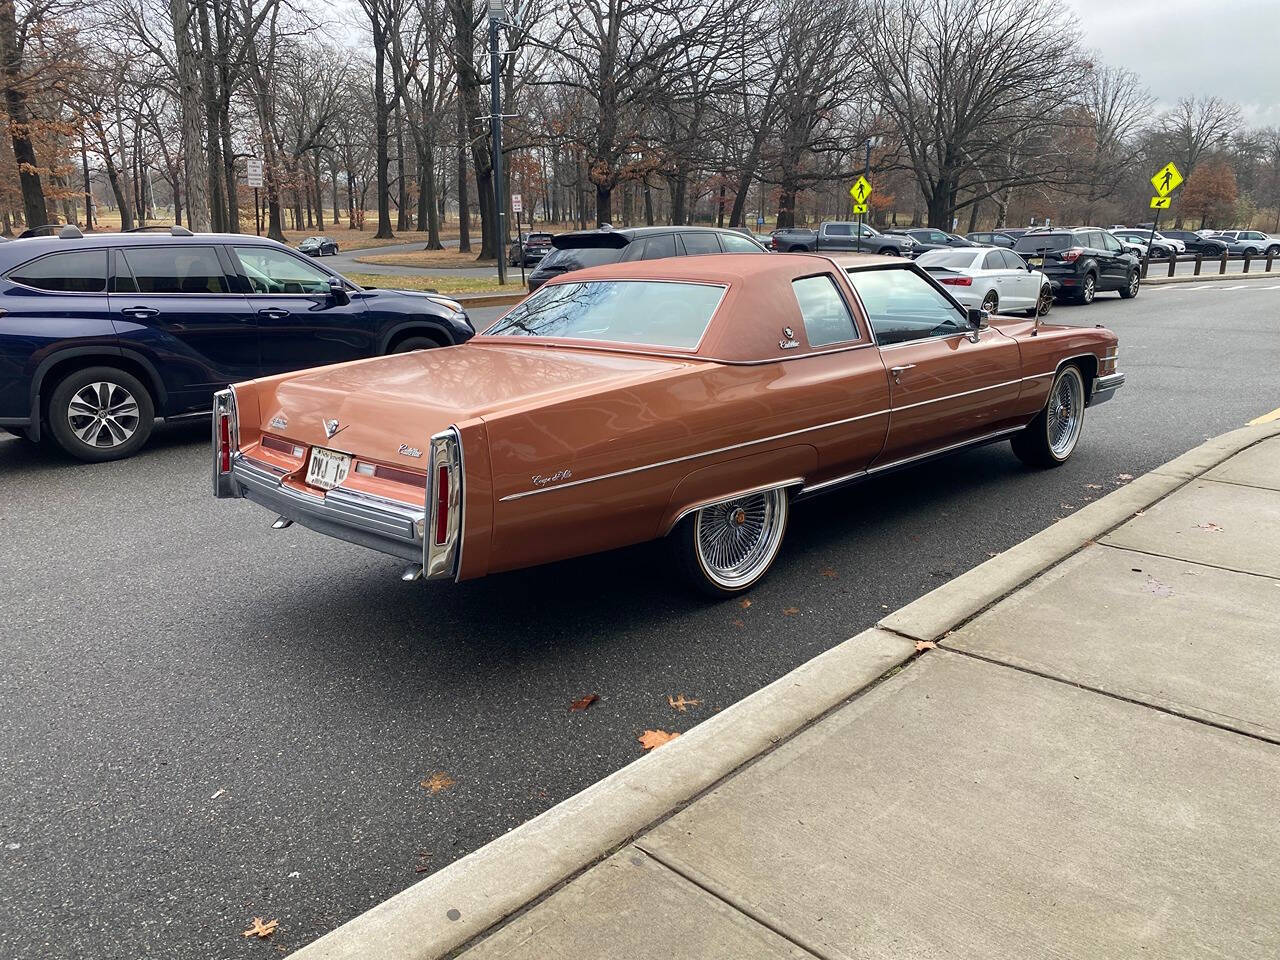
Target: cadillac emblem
x,y
331,428
788,341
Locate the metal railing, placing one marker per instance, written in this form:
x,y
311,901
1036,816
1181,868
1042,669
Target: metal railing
x,y
1221,261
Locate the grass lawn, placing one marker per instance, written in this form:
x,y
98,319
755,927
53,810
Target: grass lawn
x,y
427,258
444,285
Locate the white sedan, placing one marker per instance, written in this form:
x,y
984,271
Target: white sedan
x,y
992,278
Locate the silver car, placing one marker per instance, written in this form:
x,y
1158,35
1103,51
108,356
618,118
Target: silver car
x,y
993,278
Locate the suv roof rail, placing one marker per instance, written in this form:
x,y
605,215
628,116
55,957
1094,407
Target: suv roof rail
x,y
174,231
67,231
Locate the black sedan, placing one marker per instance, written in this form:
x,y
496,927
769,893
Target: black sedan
x,y
929,238
1205,246
319,247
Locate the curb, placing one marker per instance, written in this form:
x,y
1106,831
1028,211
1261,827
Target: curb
x,y
487,299
465,899
1274,275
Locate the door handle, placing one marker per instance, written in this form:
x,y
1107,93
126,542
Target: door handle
x,y
897,371
140,313
273,313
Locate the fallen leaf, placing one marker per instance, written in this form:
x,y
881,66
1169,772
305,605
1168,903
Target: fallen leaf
x,y
790,611
438,781
655,738
744,603
261,929
991,554
926,645
681,702
828,572
1093,486
1066,506
583,702
738,623
1209,526
1124,477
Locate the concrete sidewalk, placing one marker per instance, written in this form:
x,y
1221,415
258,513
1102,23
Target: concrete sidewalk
x,y
1071,751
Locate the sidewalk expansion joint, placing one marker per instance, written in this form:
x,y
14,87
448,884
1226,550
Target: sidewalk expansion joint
x,y
1235,483
1197,563
734,906
1274,741
635,838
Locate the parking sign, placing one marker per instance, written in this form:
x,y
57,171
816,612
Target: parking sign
x,y
517,203
253,172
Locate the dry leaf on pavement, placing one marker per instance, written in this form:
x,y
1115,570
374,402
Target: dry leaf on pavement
x,y
261,929
738,623
681,702
655,738
583,702
744,603
1210,526
1124,477
926,645
1093,486
790,611
438,781
829,573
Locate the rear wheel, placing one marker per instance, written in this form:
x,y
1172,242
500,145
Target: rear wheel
x,y
727,548
1130,289
100,413
1049,439
888,252
1088,288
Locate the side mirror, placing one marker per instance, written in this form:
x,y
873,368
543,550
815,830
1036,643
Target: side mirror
x,y
978,318
338,292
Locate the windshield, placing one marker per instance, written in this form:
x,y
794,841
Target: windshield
x,y
1044,241
947,258
652,312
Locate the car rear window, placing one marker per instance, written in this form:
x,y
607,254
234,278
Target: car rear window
x,y
1032,242
78,271
643,312
947,258
578,258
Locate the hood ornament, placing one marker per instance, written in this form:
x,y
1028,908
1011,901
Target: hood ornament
x,y
331,429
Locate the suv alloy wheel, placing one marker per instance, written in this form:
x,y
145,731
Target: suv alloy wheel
x,y
100,413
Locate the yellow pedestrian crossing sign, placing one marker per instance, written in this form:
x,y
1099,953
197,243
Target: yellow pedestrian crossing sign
x,y
859,208
1167,180
1160,203
860,190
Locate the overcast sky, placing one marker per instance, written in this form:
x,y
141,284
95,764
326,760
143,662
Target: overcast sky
x,y
1184,48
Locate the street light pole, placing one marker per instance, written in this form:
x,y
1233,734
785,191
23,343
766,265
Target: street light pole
x,y
496,18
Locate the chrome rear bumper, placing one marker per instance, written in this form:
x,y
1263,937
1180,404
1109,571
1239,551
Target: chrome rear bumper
x,y
1104,388
385,525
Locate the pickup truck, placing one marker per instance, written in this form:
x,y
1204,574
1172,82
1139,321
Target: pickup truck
x,y
842,235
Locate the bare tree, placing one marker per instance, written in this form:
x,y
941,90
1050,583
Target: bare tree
x,y
14,31
1197,125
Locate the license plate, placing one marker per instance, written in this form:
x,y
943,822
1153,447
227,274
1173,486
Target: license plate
x,y
327,468
1036,261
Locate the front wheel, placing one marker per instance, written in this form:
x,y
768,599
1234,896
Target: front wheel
x,y
1273,251
727,548
100,413
1130,289
1049,439
409,344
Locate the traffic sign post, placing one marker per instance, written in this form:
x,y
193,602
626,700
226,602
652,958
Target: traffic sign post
x,y
861,193
1165,181
517,207
253,177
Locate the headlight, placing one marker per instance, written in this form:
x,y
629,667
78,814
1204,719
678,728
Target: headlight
x,y
453,305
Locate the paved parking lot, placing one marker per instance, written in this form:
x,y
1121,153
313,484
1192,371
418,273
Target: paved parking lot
x,y
203,720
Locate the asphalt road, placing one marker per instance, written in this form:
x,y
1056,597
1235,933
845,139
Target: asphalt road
x,y
203,720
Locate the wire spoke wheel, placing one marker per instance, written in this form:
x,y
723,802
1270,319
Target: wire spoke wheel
x,y
1065,413
103,414
736,540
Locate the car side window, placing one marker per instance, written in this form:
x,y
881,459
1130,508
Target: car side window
x,y
736,244
838,230
75,271
903,306
176,269
993,261
656,248
699,243
1110,243
1012,261
826,317
272,271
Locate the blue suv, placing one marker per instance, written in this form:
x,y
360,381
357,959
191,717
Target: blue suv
x,y
102,335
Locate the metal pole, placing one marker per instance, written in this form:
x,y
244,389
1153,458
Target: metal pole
x,y
88,190
257,214
866,172
495,108
1146,259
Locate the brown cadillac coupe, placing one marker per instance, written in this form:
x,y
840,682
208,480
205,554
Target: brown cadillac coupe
x,y
694,399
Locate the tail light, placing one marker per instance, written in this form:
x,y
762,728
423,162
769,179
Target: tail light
x,y
773,243
1071,255
956,281
442,542
226,438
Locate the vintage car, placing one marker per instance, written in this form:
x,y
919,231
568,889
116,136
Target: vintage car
x,y
692,398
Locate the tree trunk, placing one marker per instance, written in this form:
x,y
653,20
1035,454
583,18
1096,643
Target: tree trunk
x,y
464,216
195,167
15,98
648,202
218,208
402,214
382,134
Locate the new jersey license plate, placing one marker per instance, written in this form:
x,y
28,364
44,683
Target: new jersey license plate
x,y
1035,261
328,468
